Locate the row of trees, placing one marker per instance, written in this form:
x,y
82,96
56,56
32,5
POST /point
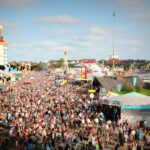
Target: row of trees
x,y
127,88
38,66
126,64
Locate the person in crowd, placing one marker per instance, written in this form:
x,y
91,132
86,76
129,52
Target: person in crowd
x,y
44,116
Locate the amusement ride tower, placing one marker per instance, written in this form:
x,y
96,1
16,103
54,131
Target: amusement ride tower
x,y
113,56
3,49
65,61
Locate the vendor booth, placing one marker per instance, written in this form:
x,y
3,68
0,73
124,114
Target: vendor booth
x,y
134,106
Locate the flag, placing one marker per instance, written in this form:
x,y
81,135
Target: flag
x,y
114,14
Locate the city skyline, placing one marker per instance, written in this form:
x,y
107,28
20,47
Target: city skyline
x,y
43,30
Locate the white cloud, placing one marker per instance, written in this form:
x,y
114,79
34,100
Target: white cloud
x,y
134,50
130,42
45,43
130,3
61,19
20,45
41,46
31,44
140,16
94,36
100,31
138,10
41,50
10,26
64,32
80,42
91,38
15,3
96,42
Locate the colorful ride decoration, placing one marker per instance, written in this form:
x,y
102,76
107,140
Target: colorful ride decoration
x,y
83,72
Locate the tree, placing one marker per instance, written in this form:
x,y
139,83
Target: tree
x,y
61,62
138,87
127,88
39,66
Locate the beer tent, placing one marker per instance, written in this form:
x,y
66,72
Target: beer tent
x,y
130,99
133,106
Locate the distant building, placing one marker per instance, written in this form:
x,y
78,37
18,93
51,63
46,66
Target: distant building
x,y
88,61
25,65
91,68
3,51
148,67
73,61
115,59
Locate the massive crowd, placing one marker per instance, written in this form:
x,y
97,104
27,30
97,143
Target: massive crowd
x,y
38,114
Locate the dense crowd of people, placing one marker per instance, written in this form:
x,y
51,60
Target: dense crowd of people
x,y
38,114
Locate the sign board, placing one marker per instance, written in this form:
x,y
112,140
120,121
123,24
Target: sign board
x,y
91,95
117,103
91,91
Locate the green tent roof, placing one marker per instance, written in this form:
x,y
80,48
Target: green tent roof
x,y
130,99
133,94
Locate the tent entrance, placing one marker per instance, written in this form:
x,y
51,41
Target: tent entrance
x,y
112,113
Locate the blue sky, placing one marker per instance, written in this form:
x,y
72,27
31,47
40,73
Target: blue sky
x,y
42,30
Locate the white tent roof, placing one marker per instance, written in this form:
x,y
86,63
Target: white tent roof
x,y
112,94
105,99
130,99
